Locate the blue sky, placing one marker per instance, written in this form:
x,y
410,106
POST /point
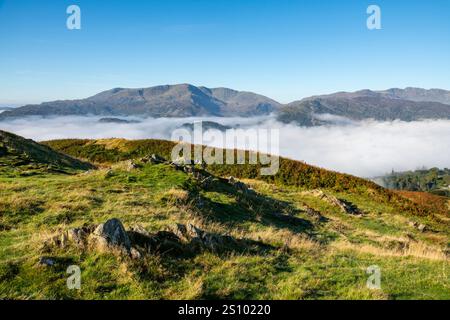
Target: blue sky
x,y
285,49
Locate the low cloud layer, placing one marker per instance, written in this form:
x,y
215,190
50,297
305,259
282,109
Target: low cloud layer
x,y
366,149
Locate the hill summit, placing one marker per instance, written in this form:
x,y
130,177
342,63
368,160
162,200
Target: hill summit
x,y
18,152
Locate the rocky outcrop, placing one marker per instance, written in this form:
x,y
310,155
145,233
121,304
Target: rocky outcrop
x,y
240,186
153,159
199,239
111,236
343,205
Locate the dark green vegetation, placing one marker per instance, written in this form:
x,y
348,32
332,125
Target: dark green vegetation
x,y
436,181
303,246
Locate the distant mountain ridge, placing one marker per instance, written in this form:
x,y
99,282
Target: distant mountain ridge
x,y
185,100
408,104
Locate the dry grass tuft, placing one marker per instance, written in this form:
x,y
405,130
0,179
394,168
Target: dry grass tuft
x,y
412,249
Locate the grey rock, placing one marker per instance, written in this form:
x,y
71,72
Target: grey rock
x,y
112,234
422,228
343,205
47,262
135,254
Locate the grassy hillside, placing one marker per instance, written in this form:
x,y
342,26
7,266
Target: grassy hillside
x,y
19,156
305,234
291,173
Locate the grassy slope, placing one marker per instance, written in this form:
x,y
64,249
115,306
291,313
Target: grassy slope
x,y
314,260
291,173
18,151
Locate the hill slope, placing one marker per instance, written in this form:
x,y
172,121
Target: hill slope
x,y
291,173
17,152
198,235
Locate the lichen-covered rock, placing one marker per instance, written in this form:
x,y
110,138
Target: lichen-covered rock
x,y
111,234
198,239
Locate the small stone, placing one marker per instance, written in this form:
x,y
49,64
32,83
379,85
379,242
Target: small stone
x,y
131,165
422,227
109,173
135,254
413,224
155,159
47,262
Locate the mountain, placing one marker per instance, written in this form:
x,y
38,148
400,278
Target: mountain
x,y
186,100
181,100
2,109
23,154
418,94
403,104
141,227
410,93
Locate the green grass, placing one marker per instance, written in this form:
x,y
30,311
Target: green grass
x,y
312,260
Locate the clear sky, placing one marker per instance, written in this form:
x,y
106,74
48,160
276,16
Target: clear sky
x,y
285,49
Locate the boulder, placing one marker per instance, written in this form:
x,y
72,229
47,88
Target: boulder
x,y
111,234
